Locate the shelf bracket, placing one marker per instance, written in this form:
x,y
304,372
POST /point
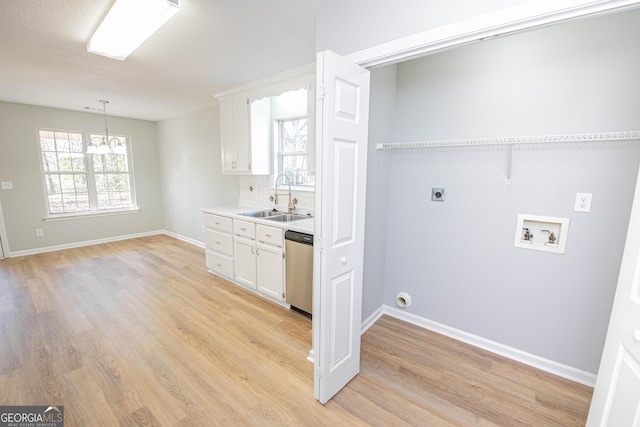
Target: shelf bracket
x,y
509,163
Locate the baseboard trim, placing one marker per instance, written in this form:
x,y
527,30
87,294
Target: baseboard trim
x,y
373,318
184,238
562,370
81,244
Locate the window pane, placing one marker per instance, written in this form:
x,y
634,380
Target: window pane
x,y
52,183
78,163
62,144
75,143
64,162
101,182
295,167
48,144
55,204
49,162
293,136
68,183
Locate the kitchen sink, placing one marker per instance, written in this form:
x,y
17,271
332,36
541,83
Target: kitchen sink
x,y
262,214
286,217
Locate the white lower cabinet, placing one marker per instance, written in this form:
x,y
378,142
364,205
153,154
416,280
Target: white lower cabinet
x,y
219,245
271,270
249,254
245,250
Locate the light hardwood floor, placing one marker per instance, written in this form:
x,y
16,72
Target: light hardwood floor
x,y
138,333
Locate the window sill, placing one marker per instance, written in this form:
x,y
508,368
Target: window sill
x,y
64,217
294,189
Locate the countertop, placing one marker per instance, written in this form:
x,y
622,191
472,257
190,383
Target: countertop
x,y
233,211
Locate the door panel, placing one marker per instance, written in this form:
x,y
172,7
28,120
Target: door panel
x,y
344,197
342,127
342,289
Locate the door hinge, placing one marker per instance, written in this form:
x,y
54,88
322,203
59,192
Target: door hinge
x,y
320,94
248,101
283,256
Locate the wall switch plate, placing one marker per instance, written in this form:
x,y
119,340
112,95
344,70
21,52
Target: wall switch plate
x,y
437,194
7,185
39,232
583,202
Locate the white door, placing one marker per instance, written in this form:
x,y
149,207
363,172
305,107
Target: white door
x,y
341,169
2,233
616,398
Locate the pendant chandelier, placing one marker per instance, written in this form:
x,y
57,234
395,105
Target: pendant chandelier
x,y
105,144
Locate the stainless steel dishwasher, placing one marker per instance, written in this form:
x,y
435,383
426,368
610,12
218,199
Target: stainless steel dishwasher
x,y
299,271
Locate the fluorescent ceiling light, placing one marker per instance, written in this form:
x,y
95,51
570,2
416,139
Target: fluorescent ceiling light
x,y
128,24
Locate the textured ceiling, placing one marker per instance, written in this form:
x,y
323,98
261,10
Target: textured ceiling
x,y
208,46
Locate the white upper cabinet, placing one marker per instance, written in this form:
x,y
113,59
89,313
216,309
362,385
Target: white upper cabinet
x,y
234,134
247,121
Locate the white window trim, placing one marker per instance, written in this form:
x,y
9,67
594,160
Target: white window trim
x,y
95,212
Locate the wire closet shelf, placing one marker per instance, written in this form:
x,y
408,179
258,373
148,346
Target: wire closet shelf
x,y
578,137
511,141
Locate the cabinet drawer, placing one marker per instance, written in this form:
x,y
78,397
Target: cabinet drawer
x,y
244,228
219,242
270,235
217,222
220,264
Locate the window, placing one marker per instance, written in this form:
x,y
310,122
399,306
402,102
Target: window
x,y
293,152
80,183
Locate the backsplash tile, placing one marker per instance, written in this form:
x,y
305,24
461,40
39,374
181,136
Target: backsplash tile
x,y
263,189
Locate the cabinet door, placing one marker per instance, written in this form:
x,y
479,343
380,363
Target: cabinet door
x,y
241,140
245,265
234,135
271,271
227,135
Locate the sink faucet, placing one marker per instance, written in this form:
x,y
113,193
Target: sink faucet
x,y
291,206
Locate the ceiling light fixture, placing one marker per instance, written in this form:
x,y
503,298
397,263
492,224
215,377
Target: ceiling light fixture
x,y
105,144
128,24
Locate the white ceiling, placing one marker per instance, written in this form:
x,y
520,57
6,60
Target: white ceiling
x,y
208,46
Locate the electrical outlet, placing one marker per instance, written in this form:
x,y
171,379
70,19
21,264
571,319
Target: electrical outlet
x,y
39,232
583,202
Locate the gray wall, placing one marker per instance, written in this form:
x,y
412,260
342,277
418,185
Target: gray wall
x,y
350,26
24,206
382,106
192,176
457,258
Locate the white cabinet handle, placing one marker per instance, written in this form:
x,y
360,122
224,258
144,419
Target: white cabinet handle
x,y
252,251
343,260
636,334
268,235
243,229
258,251
217,243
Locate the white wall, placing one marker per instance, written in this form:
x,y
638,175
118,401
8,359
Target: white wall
x,y
24,206
350,26
192,179
457,258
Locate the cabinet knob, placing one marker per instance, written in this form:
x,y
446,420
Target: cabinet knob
x,y
343,260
